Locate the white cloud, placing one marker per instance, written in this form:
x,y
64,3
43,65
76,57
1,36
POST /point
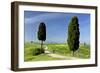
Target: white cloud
x,y
42,17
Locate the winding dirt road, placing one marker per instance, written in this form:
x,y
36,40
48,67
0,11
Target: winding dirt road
x,y
57,55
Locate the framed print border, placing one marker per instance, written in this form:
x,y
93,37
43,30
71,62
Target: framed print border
x,y
15,34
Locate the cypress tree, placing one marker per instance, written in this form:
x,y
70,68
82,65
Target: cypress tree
x,y
73,34
42,33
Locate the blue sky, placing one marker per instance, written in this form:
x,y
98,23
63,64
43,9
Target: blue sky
x,y
56,25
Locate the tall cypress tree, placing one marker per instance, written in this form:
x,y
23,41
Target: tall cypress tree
x,y
73,34
42,33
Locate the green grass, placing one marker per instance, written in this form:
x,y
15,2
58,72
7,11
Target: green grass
x,y
28,53
84,51
41,57
61,49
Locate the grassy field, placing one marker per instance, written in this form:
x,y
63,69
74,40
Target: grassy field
x,y
61,49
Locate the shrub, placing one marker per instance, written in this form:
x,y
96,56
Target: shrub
x,y
38,51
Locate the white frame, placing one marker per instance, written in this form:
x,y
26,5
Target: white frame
x,y
23,64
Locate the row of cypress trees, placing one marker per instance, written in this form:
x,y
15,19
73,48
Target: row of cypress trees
x,y
73,34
